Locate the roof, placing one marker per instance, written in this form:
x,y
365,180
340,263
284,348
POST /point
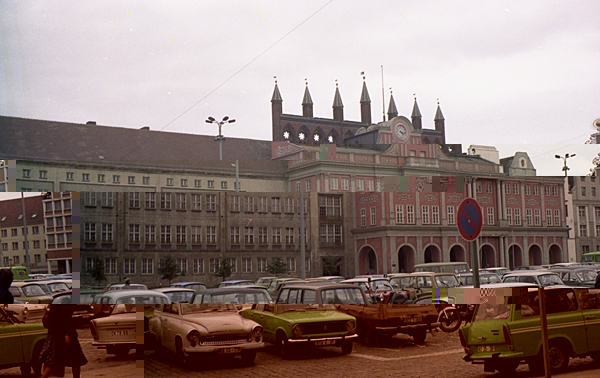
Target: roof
x,y
337,99
30,139
416,113
12,209
364,96
307,100
276,95
392,110
438,114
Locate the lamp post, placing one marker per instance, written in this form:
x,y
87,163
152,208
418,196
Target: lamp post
x,y
565,168
220,138
237,175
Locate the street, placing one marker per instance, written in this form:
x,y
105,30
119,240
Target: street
x,y
100,364
439,356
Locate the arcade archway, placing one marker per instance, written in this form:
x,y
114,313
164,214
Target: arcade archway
x,y
406,259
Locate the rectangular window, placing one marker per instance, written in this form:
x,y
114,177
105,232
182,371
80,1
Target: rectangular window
x,y
261,265
556,217
425,214
478,188
110,265
196,202
180,201
146,180
547,190
165,234
276,235
170,181
555,191
128,266
234,235
15,231
89,198
150,200
289,205
509,217
107,233
262,204
134,233
598,230
249,235
198,266
134,200
180,234
370,185
182,265
116,179
330,234
131,179
233,264
275,205
345,183
488,187
198,183
583,231
262,235
410,214
4,233
249,204
363,217
70,176
506,188
307,185
490,216
150,234
330,206
234,203
333,183
537,217
527,189
211,202
196,235
297,186
291,264
107,199
211,235
165,201
89,232
5,247
36,245
373,215
528,216
246,265
211,184
289,236
399,214
515,188
43,174
101,178
536,190
223,184
518,217
451,215
147,266
581,212
214,265
583,191
183,183
548,217
85,177
435,214
360,185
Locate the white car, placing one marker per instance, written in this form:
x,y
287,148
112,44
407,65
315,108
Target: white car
x,y
195,330
117,332
26,313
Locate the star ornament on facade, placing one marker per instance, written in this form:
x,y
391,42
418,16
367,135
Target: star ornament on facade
x,y
286,135
301,136
316,137
330,139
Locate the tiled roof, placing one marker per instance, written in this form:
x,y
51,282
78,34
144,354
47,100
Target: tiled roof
x,y
13,208
30,139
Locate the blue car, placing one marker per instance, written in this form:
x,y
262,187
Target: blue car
x,y
190,285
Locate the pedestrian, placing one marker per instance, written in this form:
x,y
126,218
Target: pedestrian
x,y
596,286
6,278
127,282
62,346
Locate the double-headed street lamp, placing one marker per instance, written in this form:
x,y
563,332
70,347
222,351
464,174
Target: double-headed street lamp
x,y
220,138
565,168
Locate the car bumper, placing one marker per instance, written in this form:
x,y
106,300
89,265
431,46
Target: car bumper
x,y
317,340
407,327
105,345
223,348
480,358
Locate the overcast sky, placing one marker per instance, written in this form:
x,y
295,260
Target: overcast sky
x,y
522,76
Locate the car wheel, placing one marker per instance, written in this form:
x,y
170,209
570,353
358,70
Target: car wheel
x,y
449,320
284,346
248,357
181,356
36,363
420,335
347,347
559,356
507,367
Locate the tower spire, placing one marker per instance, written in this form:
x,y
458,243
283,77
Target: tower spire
x,y
338,106
416,115
307,103
392,110
365,103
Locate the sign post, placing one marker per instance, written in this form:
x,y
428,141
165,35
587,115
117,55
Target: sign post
x,y
469,223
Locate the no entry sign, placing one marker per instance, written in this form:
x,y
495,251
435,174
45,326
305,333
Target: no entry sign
x,y
470,219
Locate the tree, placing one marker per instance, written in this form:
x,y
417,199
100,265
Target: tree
x,y
169,269
331,265
277,266
224,269
97,270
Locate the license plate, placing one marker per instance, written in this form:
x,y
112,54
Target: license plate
x,y
413,320
119,333
325,342
229,350
486,348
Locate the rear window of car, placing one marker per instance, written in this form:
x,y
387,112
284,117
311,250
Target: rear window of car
x,y
142,299
342,296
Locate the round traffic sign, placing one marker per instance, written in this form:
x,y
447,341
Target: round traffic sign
x,y
470,219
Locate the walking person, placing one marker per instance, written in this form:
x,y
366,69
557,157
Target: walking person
x,y
596,286
6,278
62,346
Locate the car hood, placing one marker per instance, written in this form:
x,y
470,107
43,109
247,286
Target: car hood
x,y
124,318
313,315
220,322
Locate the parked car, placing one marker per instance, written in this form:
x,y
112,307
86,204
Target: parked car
x,y
26,313
400,281
543,278
502,336
292,326
195,330
446,267
177,294
332,279
576,276
466,279
500,271
232,295
30,292
116,332
235,283
275,284
322,293
21,343
190,285
122,286
53,287
378,289
265,281
426,282
131,297
82,314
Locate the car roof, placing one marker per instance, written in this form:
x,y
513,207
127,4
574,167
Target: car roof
x,y
234,281
129,293
172,289
234,289
25,283
322,285
364,279
187,283
529,273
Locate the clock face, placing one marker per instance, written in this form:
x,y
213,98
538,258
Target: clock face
x,y
401,132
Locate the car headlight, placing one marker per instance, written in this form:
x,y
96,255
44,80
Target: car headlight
x,y
350,326
194,337
257,331
297,330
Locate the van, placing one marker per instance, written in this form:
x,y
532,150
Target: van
x,y
439,267
20,273
502,336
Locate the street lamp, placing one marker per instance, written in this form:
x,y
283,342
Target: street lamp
x,y
220,138
565,168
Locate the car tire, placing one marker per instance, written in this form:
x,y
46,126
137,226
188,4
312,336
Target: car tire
x,y
37,364
419,336
248,357
285,349
559,354
508,366
347,347
449,319
182,358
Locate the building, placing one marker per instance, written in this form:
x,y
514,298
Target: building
x,y
58,220
3,176
12,235
584,215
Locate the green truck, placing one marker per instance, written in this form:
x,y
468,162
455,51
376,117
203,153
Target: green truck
x,y
20,273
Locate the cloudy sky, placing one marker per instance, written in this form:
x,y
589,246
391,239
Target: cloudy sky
x,y
522,76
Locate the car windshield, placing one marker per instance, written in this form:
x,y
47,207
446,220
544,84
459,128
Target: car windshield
x,y
33,291
142,299
62,299
381,285
195,287
586,275
206,308
550,280
124,309
258,297
179,296
57,287
342,296
488,311
401,282
446,281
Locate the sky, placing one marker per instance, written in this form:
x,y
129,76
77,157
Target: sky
x,y
521,76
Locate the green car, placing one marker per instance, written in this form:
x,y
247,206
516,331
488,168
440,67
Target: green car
x,y
291,325
20,343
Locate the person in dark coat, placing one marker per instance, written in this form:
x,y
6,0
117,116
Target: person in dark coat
x,y
597,285
62,346
6,278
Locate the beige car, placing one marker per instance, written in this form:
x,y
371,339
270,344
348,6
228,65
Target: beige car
x,y
26,313
30,292
117,332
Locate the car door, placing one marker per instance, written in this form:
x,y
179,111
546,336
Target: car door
x,y
589,300
11,346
